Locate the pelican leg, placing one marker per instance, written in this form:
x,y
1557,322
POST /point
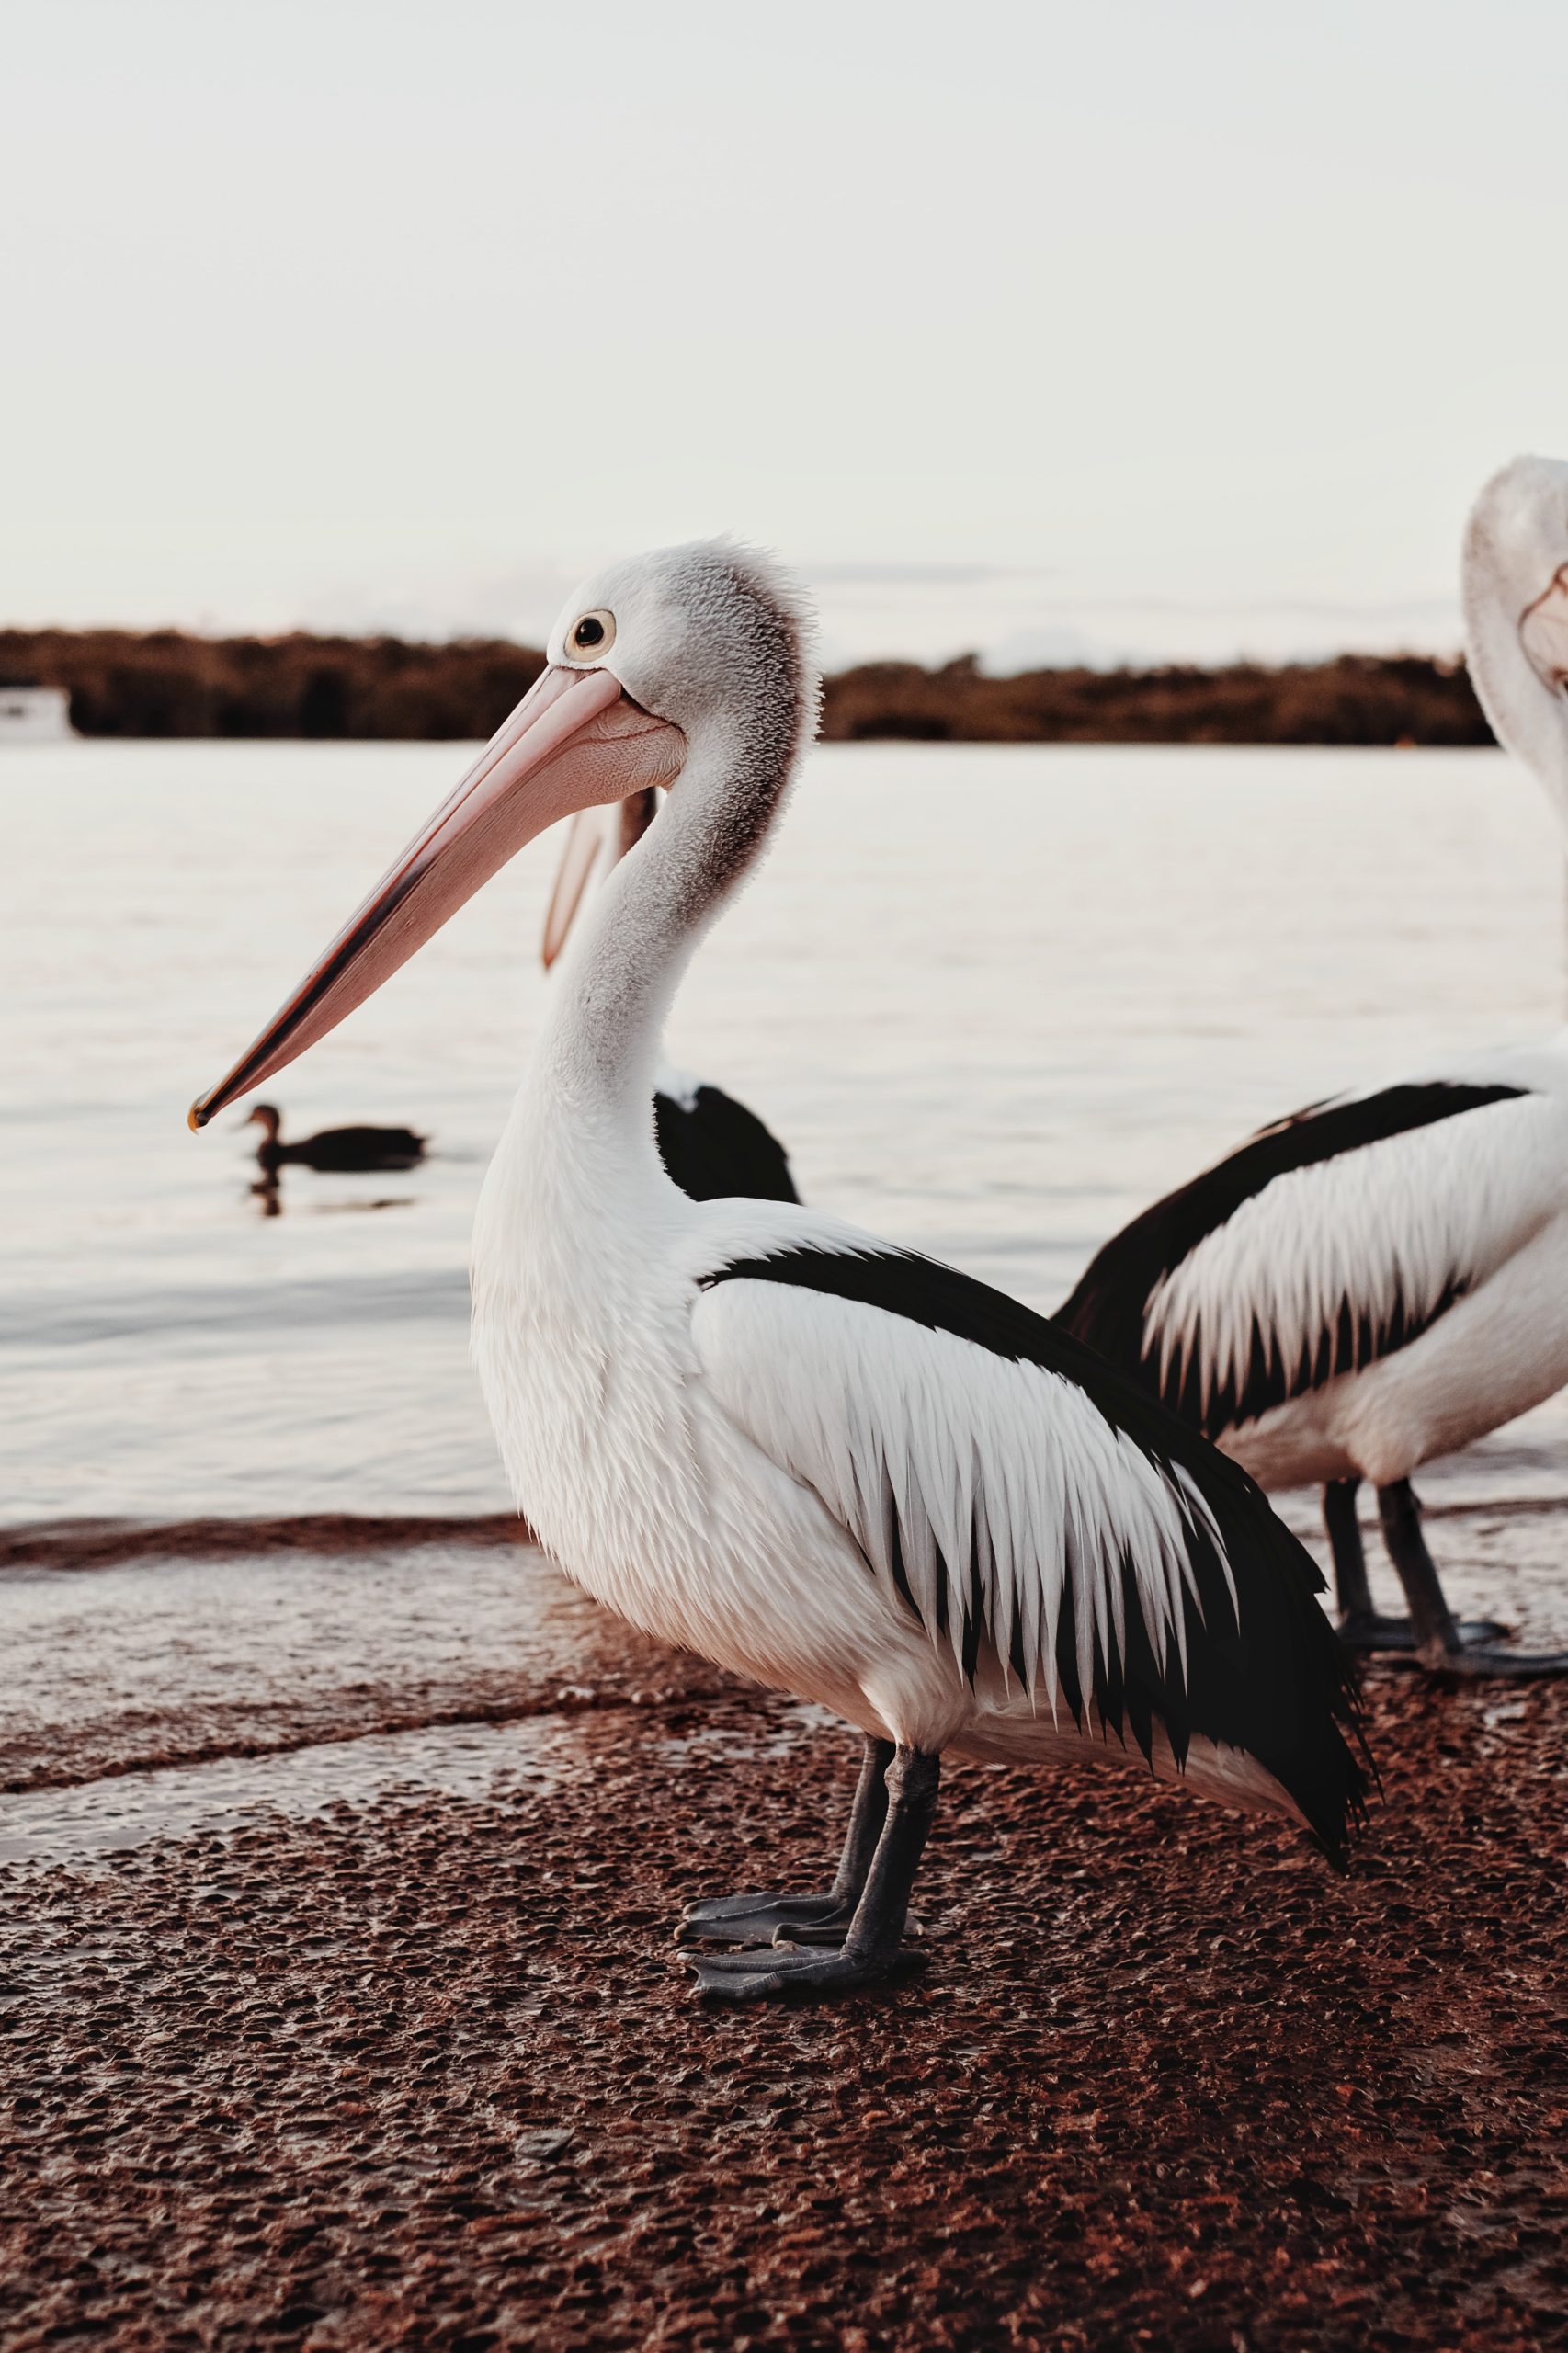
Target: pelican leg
x,y
1441,1645
1362,1626
1359,1623
807,1919
874,1950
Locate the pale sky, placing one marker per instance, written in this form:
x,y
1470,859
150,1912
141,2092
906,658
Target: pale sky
x,y
1120,328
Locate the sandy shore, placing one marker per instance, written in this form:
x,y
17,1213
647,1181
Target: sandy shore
x,y
339,2007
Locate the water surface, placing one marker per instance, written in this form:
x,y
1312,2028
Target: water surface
x,y
993,1000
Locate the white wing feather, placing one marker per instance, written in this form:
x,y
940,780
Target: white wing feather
x,y
1391,1227
1008,1482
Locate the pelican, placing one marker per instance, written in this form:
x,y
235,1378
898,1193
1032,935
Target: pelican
x,y
821,1460
711,1145
1383,1277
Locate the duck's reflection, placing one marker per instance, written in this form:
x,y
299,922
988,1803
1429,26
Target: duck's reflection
x,y
268,1194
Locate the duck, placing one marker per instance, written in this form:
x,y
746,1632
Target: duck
x,y
334,1150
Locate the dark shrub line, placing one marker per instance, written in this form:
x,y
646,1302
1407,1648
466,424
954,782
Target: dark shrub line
x,y
1358,699
166,684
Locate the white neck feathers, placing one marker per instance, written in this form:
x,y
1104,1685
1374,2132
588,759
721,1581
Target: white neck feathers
x,y
1527,718
596,1058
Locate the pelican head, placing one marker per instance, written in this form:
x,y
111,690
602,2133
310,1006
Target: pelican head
x,y
702,634
703,643
1517,553
1515,615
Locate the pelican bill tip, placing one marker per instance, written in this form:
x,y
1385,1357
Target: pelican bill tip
x,y
196,1118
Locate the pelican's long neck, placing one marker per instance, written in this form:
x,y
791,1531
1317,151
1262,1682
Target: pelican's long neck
x,y
596,1058
1527,719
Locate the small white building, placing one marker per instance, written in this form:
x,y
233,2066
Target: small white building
x,y
35,715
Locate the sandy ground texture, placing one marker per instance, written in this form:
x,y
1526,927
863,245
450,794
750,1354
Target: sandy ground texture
x,y
339,2008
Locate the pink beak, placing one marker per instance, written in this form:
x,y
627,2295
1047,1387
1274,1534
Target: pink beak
x,y
592,832
575,742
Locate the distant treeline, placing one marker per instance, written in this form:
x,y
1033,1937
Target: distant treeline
x,y
168,684
1358,699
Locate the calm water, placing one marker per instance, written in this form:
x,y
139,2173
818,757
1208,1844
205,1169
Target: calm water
x,y
992,999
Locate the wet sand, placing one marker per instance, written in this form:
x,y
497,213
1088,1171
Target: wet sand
x,y
339,2007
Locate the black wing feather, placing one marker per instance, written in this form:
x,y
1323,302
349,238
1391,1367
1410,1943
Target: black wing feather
x,y
720,1151
1108,1309
1269,1678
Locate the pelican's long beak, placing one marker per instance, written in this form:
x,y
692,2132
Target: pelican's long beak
x,y
592,832
1543,631
575,742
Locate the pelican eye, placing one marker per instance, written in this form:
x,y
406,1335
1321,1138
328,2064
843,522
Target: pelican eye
x,y
591,636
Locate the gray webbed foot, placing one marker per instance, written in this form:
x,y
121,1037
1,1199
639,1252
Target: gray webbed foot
x,y
1485,1663
757,1919
783,1972
897,1803
805,1919
1369,1630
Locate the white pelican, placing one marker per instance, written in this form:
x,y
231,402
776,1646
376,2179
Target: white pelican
x,y
711,1145
818,1460
1383,1277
